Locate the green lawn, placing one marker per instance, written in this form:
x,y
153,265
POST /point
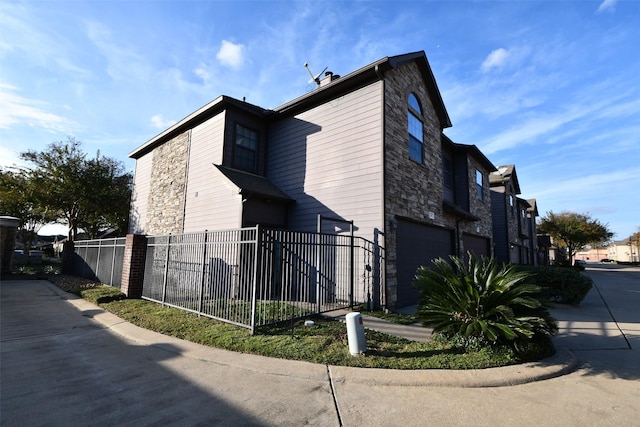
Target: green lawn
x,y
325,342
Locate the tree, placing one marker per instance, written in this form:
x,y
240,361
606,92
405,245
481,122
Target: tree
x,y
20,197
108,202
92,194
634,242
573,230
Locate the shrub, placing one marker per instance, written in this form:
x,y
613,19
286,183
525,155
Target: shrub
x,y
564,285
478,300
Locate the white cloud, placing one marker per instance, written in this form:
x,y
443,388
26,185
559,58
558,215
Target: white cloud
x,y
123,61
495,59
203,73
231,55
160,122
15,109
607,5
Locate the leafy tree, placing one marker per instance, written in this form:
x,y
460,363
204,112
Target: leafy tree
x,y
573,230
20,197
92,194
634,241
108,202
482,301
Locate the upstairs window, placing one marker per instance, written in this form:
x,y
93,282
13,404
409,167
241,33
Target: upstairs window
x,y
416,149
245,153
479,185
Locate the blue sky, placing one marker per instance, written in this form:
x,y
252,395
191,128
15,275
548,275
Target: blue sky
x,y
550,86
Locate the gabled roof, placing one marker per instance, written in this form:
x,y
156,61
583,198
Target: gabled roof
x,y
471,150
199,116
534,207
366,75
249,183
352,81
503,175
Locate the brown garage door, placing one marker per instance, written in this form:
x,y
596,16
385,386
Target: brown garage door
x,y
418,244
476,244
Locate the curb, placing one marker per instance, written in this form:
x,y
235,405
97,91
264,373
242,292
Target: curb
x,y
562,363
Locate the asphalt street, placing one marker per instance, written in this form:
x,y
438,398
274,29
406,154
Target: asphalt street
x,y
67,362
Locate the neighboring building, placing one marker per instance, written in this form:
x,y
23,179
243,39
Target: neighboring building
x,y
546,251
592,254
514,219
623,251
535,254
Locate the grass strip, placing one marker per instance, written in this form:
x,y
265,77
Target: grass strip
x,y
325,342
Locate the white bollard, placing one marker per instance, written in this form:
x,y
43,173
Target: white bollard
x,y
355,334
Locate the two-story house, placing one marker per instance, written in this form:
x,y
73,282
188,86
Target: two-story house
x,y
514,219
366,147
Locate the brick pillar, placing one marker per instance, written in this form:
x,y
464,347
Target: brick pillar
x,y
135,251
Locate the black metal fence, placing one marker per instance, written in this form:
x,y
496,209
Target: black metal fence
x,y
254,277
100,259
250,277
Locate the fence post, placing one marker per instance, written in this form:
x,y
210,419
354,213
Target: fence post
x,y
113,262
97,272
204,270
352,265
135,251
319,266
166,270
256,265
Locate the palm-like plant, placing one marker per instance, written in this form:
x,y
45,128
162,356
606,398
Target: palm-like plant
x,y
478,299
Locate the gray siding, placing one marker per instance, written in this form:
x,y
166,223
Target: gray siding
x,y
212,202
140,196
329,159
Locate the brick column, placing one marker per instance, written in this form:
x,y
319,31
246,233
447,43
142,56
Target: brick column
x,y
135,252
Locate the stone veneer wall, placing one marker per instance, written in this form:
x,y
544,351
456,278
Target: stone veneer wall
x,y
165,211
412,190
479,208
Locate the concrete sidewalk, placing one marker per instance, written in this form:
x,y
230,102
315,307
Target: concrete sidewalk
x,y
66,361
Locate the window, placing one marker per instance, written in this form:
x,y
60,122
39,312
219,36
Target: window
x,y
415,129
511,204
245,149
479,184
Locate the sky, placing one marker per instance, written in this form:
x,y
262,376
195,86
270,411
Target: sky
x,y
552,87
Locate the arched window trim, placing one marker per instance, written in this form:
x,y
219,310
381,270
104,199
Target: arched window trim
x,y
415,136
417,108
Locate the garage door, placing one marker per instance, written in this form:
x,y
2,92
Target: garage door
x,y
476,244
418,244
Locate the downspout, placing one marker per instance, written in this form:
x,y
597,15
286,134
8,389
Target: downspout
x,y
186,182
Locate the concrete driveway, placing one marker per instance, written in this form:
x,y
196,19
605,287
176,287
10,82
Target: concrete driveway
x,y
66,362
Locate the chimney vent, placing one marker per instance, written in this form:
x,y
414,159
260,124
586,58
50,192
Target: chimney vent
x,y
328,78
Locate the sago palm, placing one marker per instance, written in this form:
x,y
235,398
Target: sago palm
x,y
478,299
